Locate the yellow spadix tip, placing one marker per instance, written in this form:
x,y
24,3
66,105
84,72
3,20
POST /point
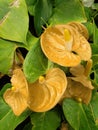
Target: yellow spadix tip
x,y
67,35
13,88
79,99
41,79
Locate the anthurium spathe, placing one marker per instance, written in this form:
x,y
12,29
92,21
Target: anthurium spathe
x,y
45,93
65,45
81,73
79,86
78,91
16,97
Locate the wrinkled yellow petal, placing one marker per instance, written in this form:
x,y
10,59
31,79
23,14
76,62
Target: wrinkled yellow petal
x,y
80,28
39,95
84,49
16,100
80,74
77,91
16,97
83,80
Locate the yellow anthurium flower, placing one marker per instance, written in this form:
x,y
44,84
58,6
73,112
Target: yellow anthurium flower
x,y
16,97
79,86
45,93
65,45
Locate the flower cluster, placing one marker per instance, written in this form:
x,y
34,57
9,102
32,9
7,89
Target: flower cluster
x,y
66,45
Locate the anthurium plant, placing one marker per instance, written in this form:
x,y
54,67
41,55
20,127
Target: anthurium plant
x,y
48,65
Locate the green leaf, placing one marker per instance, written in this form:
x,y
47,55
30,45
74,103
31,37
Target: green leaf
x,y
79,116
31,40
35,63
94,107
13,20
95,34
49,120
43,11
94,49
95,59
31,6
68,10
7,50
6,86
8,121
95,6
89,26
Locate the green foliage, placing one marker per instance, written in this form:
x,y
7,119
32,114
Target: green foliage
x,y
47,120
7,49
66,11
35,63
21,24
79,116
43,11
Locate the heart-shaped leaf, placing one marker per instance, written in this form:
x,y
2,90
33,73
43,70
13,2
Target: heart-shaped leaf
x,y
66,11
13,20
35,63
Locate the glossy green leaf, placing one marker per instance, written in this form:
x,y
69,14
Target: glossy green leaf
x,y
68,10
49,120
31,40
79,116
6,86
95,34
89,26
13,20
43,11
35,63
31,6
94,107
8,121
95,6
94,48
7,50
95,59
